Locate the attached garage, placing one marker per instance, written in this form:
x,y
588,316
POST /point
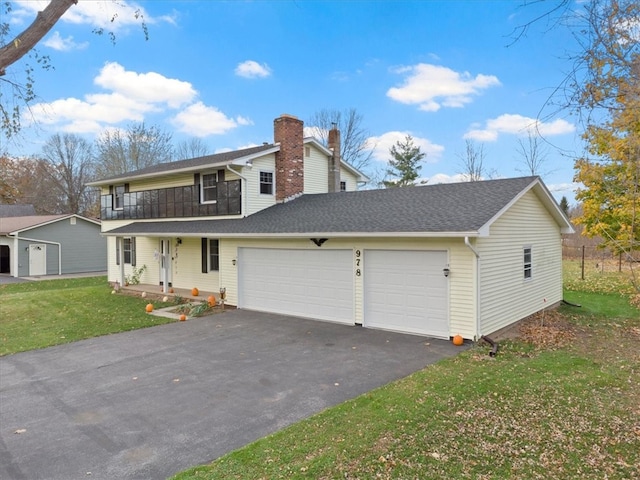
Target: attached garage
x,y
307,283
406,291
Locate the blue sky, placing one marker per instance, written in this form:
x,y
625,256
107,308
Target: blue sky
x,y
441,71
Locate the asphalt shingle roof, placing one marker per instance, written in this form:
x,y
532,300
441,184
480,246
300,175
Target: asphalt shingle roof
x,y
444,208
13,224
206,161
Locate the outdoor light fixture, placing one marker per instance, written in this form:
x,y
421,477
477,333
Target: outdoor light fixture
x,y
233,262
179,241
446,271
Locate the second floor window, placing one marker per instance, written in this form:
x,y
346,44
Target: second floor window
x,y
266,183
118,196
343,186
209,187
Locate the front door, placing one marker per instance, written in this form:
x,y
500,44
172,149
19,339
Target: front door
x,y
37,259
165,264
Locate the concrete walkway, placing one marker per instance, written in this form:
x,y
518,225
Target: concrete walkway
x,y
149,403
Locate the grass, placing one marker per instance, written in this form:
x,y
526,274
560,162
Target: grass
x,y
564,408
552,410
51,312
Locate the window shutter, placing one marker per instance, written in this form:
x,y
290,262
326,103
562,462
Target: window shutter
x,y
205,256
196,182
133,251
126,188
117,250
220,176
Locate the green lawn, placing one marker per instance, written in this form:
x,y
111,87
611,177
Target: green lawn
x,y
560,409
50,312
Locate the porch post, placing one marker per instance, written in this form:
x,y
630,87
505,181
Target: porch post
x,y
120,250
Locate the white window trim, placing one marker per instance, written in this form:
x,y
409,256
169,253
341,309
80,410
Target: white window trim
x,y
202,200
527,266
273,183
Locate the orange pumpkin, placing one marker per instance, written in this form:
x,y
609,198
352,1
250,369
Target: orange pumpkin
x,y
195,292
211,300
149,307
171,290
183,317
458,340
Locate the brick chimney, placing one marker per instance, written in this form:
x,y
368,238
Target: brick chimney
x,y
288,132
334,161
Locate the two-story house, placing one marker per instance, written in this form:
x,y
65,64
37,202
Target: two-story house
x,y
283,228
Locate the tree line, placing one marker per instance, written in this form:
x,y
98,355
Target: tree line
x,y
55,180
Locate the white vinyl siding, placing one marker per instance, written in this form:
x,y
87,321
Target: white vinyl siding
x,y
316,172
506,296
349,178
253,201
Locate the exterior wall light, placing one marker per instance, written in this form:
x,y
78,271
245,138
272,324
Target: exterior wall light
x,y
446,271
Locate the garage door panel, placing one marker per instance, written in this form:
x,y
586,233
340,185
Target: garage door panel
x,y
406,291
308,283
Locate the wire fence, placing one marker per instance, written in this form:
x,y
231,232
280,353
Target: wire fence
x,y
593,258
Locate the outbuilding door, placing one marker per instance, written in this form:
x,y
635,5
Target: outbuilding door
x,y
406,291
308,283
37,259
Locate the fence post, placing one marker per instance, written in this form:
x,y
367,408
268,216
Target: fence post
x,y
582,264
620,262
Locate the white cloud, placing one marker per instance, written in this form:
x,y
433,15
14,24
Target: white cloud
x,y
148,87
199,120
129,97
252,69
432,87
445,178
56,42
514,124
381,145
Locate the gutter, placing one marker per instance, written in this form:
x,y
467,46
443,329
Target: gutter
x,y
477,281
48,242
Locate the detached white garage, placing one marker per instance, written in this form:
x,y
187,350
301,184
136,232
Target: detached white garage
x,y
308,283
406,291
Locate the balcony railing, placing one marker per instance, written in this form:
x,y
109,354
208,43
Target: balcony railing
x,y
174,202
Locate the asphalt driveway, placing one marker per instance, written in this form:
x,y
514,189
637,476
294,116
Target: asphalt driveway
x,y
149,403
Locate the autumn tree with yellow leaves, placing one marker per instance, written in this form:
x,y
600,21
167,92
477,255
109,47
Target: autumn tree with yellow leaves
x,y
605,90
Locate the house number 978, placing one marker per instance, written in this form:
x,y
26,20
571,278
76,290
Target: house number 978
x,y
358,260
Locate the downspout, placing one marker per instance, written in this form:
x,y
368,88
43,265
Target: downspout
x,y
245,196
477,282
58,244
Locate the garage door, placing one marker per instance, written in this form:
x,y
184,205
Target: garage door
x,y
406,291
308,283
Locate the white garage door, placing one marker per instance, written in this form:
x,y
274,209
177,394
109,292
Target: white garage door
x,y
308,283
406,291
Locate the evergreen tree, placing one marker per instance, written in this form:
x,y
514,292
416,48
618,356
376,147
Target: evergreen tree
x,y
404,164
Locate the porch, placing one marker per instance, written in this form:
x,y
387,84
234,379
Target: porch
x,y
156,292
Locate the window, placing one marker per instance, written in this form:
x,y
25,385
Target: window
x,y
128,250
343,186
209,187
527,263
210,248
214,255
266,183
119,191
